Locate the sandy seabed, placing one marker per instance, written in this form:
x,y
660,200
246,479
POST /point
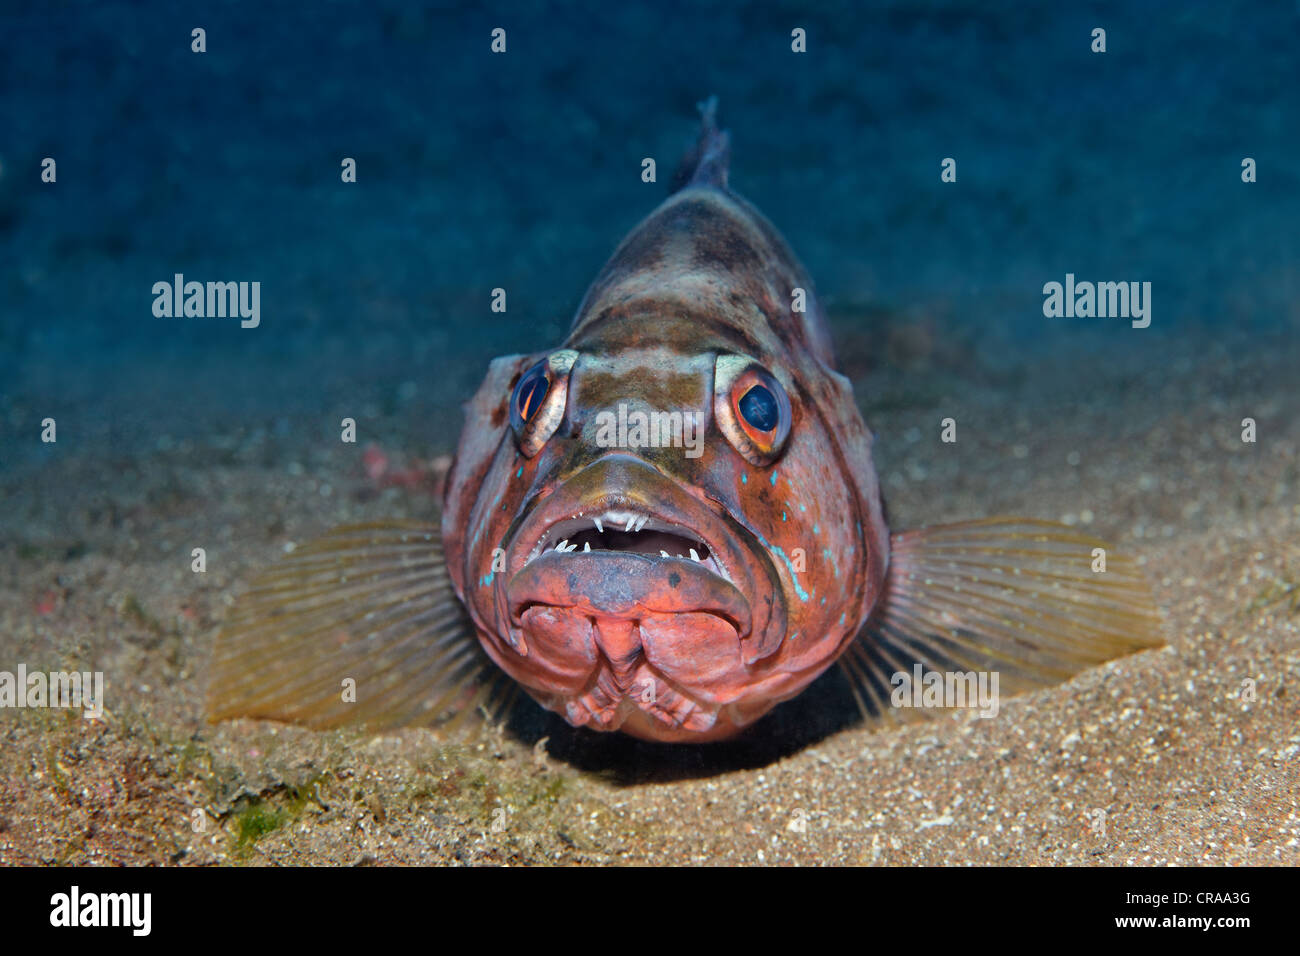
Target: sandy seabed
x,y
1187,754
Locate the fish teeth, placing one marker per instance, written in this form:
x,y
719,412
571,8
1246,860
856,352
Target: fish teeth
x,y
599,527
586,546
695,555
630,521
641,522
664,553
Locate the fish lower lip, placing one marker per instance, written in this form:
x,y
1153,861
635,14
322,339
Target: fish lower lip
x,y
626,585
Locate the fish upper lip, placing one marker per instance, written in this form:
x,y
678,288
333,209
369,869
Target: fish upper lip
x,y
609,492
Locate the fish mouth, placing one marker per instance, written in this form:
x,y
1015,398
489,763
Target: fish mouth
x,y
625,563
626,586
622,531
645,586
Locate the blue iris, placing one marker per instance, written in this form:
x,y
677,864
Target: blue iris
x,y
531,393
759,408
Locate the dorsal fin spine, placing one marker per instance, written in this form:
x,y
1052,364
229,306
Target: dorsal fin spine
x,y
708,163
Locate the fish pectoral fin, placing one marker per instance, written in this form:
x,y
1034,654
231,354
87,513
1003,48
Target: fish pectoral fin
x,y
1021,598
359,627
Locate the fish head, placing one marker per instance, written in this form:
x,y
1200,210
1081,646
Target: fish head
x,y
661,543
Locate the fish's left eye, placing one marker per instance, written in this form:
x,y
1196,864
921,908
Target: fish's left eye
x,y
538,400
751,408
759,409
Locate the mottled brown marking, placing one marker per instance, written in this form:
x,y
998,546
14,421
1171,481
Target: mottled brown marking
x,y
710,258
719,244
665,324
642,386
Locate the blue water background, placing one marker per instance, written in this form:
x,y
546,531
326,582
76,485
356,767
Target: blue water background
x,y
522,171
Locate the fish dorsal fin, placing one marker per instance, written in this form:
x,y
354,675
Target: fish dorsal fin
x,y
709,160
1015,596
367,603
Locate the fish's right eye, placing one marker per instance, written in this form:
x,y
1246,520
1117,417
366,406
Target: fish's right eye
x,y
538,400
530,392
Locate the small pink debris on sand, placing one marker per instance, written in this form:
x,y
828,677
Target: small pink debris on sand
x,y
421,476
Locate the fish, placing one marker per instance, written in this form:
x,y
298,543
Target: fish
x,y
668,525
